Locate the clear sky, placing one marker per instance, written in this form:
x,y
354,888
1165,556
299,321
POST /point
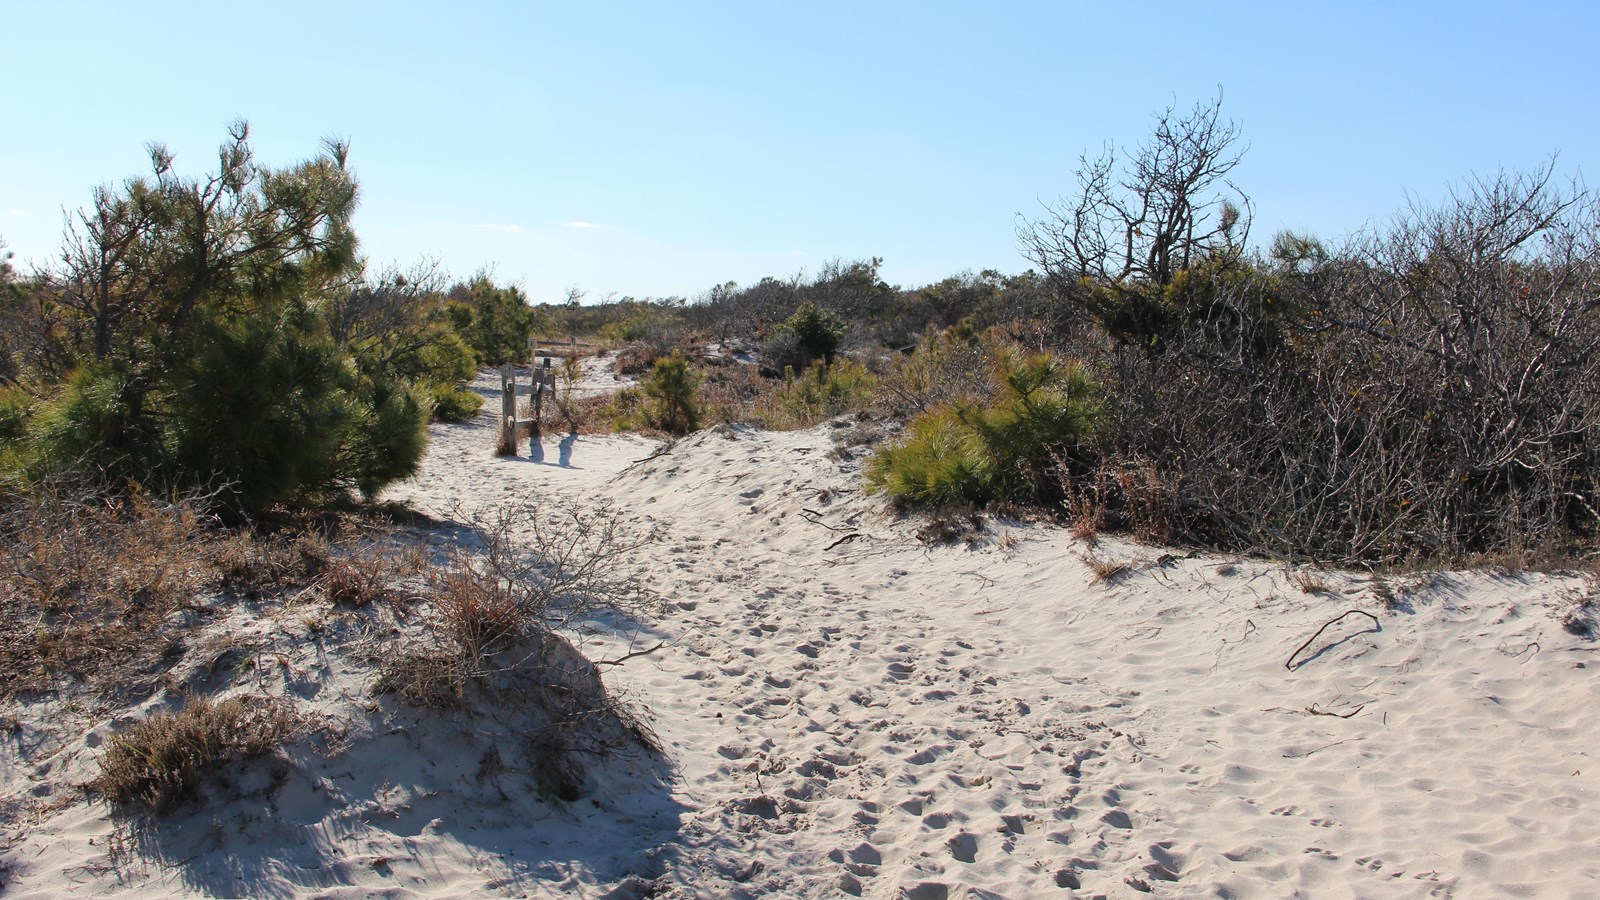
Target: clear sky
x,y
656,149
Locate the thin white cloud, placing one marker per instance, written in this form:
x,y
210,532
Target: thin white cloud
x,y
19,212
580,224
508,229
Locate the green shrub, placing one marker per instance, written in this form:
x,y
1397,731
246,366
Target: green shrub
x,y
454,404
817,331
88,424
947,366
821,392
671,389
386,440
1043,404
937,462
625,410
16,411
16,407
264,406
1000,450
495,321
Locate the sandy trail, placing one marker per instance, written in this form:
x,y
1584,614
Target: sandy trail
x,y
868,715
849,712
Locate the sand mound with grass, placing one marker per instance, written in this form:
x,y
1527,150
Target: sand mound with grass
x,y
846,710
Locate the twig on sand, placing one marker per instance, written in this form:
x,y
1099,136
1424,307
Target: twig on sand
x,y
659,452
1249,629
627,656
1312,710
1289,663
851,536
815,518
1315,750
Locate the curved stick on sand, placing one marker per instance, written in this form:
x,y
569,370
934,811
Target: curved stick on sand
x,y
1289,664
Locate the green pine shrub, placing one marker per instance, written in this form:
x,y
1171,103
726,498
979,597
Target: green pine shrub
x,y
937,462
386,439
980,452
88,425
821,392
816,332
454,404
263,406
671,391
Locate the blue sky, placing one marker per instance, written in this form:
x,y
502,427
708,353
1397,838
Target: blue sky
x,y
658,149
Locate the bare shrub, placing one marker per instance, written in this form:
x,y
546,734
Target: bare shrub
x,y
477,615
733,394
1428,392
946,367
1127,496
159,761
556,560
369,573
492,649
640,357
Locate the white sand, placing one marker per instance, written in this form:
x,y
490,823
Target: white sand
x,y
887,719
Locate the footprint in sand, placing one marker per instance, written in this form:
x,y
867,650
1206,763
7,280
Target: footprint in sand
x,y
963,847
1015,824
1116,818
900,671
1165,865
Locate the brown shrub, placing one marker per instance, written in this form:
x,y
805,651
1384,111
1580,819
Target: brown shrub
x,y
159,761
88,581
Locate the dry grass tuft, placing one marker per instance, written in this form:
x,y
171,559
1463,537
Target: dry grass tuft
x,y
425,679
254,566
1086,528
476,615
159,761
1581,618
1105,570
1310,582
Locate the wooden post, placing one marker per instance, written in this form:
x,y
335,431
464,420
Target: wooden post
x,y
538,392
508,412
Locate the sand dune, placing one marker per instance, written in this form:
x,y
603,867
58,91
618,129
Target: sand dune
x,y
849,712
